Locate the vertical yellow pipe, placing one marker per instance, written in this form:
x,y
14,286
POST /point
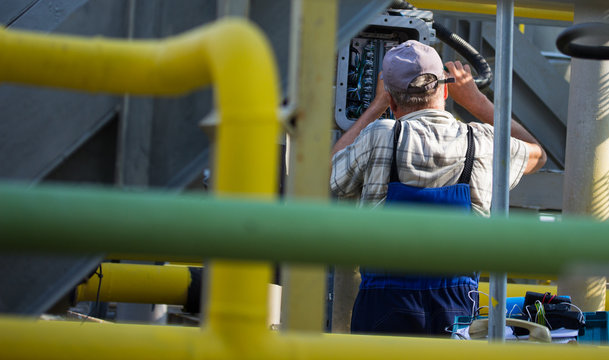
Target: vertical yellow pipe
x,y
246,164
304,287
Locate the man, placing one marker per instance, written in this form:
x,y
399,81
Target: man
x,y
430,154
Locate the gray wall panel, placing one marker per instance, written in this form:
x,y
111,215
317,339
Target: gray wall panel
x,y
175,137
46,15
40,125
10,10
41,128
273,17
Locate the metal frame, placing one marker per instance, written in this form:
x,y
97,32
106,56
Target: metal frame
x,y
420,21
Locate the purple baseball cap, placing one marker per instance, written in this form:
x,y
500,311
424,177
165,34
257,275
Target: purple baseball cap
x,y
405,62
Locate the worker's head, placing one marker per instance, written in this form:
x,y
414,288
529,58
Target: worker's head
x,y
413,74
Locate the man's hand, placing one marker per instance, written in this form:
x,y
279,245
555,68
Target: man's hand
x,y
464,90
465,93
382,97
377,107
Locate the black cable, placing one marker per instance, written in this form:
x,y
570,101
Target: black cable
x,y
566,39
193,299
485,74
95,311
401,4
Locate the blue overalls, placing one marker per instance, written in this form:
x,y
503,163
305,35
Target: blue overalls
x,y
413,304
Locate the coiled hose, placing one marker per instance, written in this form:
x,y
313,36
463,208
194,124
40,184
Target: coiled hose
x,y
485,74
565,40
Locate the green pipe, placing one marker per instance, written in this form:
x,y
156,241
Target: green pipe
x,y
80,220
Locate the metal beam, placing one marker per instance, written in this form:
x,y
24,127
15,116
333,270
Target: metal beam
x,y
354,15
34,283
539,96
501,154
49,15
11,10
233,8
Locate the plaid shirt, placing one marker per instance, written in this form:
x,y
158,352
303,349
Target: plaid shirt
x,y
431,153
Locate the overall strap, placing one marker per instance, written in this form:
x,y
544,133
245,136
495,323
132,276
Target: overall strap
x,y
469,158
393,175
469,155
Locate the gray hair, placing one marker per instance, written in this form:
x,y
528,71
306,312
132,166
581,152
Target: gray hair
x,y
417,100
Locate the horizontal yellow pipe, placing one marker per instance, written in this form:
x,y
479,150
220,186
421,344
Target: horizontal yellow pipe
x,y
133,283
77,340
168,284
151,67
170,66
544,10
50,340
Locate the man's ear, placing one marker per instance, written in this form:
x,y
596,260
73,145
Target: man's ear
x,y
445,91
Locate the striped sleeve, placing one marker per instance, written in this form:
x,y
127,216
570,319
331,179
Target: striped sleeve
x,y
519,157
349,166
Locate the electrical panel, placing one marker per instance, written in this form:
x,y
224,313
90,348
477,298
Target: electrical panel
x,y
360,62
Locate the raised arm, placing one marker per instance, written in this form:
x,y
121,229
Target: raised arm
x,y
377,107
466,94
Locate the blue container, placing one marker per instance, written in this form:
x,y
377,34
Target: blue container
x,y
595,331
514,305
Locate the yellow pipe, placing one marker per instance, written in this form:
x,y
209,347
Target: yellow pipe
x,y
170,66
133,283
151,67
247,165
168,284
93,341
50,340
239,60
544,10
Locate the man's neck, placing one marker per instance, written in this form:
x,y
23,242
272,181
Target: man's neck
x,y
403,112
